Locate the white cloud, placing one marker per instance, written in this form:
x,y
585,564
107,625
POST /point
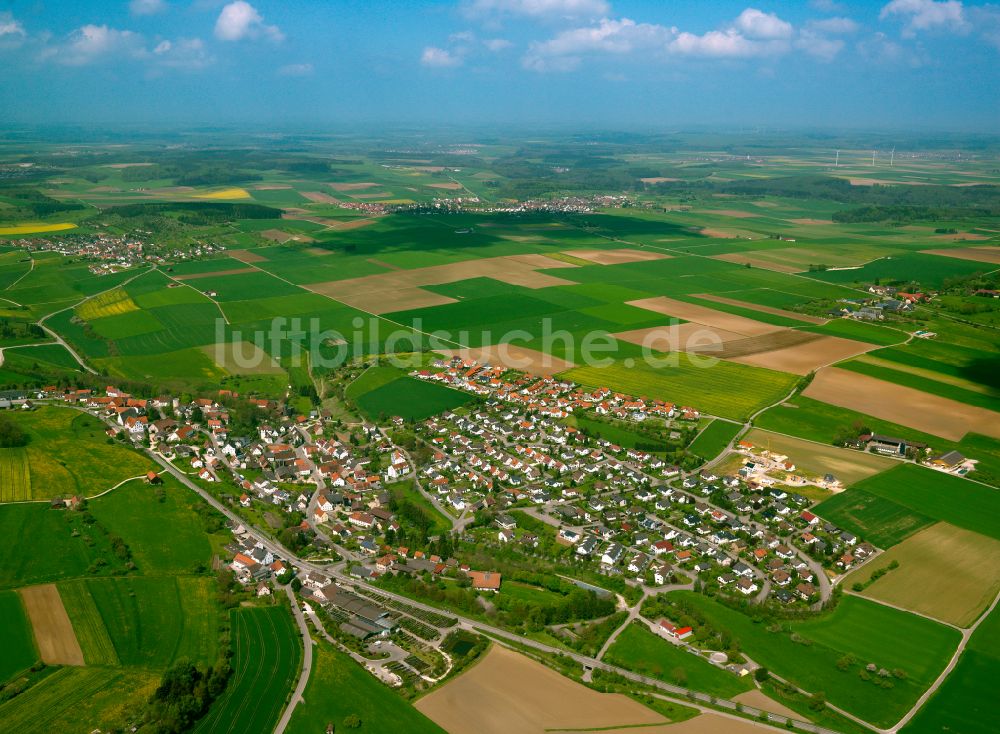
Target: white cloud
x,y
540,8
986,20
439,58
827,6
882,50
757,24
926,15
497,44
10,27
240,20
296,70
729,43
834,26
147,7
563,52
186,53
92,43
818,45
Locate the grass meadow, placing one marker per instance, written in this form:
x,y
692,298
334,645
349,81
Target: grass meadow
x,y
16,636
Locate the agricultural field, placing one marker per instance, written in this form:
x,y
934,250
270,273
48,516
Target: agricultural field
x,y
386,391
963,703
943,572
854,634
15,636
506,691
882,521
714,438
815,460
938,496
99,696
380,710
67,455
685,382
644,652
266,663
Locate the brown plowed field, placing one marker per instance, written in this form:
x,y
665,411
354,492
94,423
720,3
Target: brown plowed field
x,y
57,643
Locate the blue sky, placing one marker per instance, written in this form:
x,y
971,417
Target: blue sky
x,y
908,64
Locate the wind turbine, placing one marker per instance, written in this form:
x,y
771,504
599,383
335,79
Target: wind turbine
x,y
837,163
892,156
873,156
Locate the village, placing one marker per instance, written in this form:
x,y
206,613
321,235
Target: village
x,y
508,474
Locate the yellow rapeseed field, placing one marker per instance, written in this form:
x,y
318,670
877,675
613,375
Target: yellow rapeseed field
x,y
36,228
231,193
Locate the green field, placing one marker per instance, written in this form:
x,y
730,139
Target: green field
x,y
380,710
714,438
151,621
866,632
88,625
964,703
266,663
67,455
165,537
725,389
877,519
15,636
77,700
640,650
384,391
934,495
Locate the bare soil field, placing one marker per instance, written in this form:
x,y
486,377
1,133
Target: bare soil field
x,y
713,724
516,357
749,345
705,315
763,309
962,236
687,337
945,572
806,356
818,459
658,179
989,254
903,405
196,276
319,197
246,256
352,186
54,635
719,234
617,257
809,221
508,692
270,187
451,186
401,289
756,261
760,701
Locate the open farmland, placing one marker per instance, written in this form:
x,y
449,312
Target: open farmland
x,y
904,405
644,652
714,438
378,708
939,496
878,519
15,636
684,381
67,454
965,701
54,635
864,630
110,303
944,572
817,460
978,254
266,663
507,691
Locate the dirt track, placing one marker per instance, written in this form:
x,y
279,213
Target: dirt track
x,y
54,635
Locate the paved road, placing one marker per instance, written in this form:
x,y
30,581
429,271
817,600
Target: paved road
x,y
307,662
